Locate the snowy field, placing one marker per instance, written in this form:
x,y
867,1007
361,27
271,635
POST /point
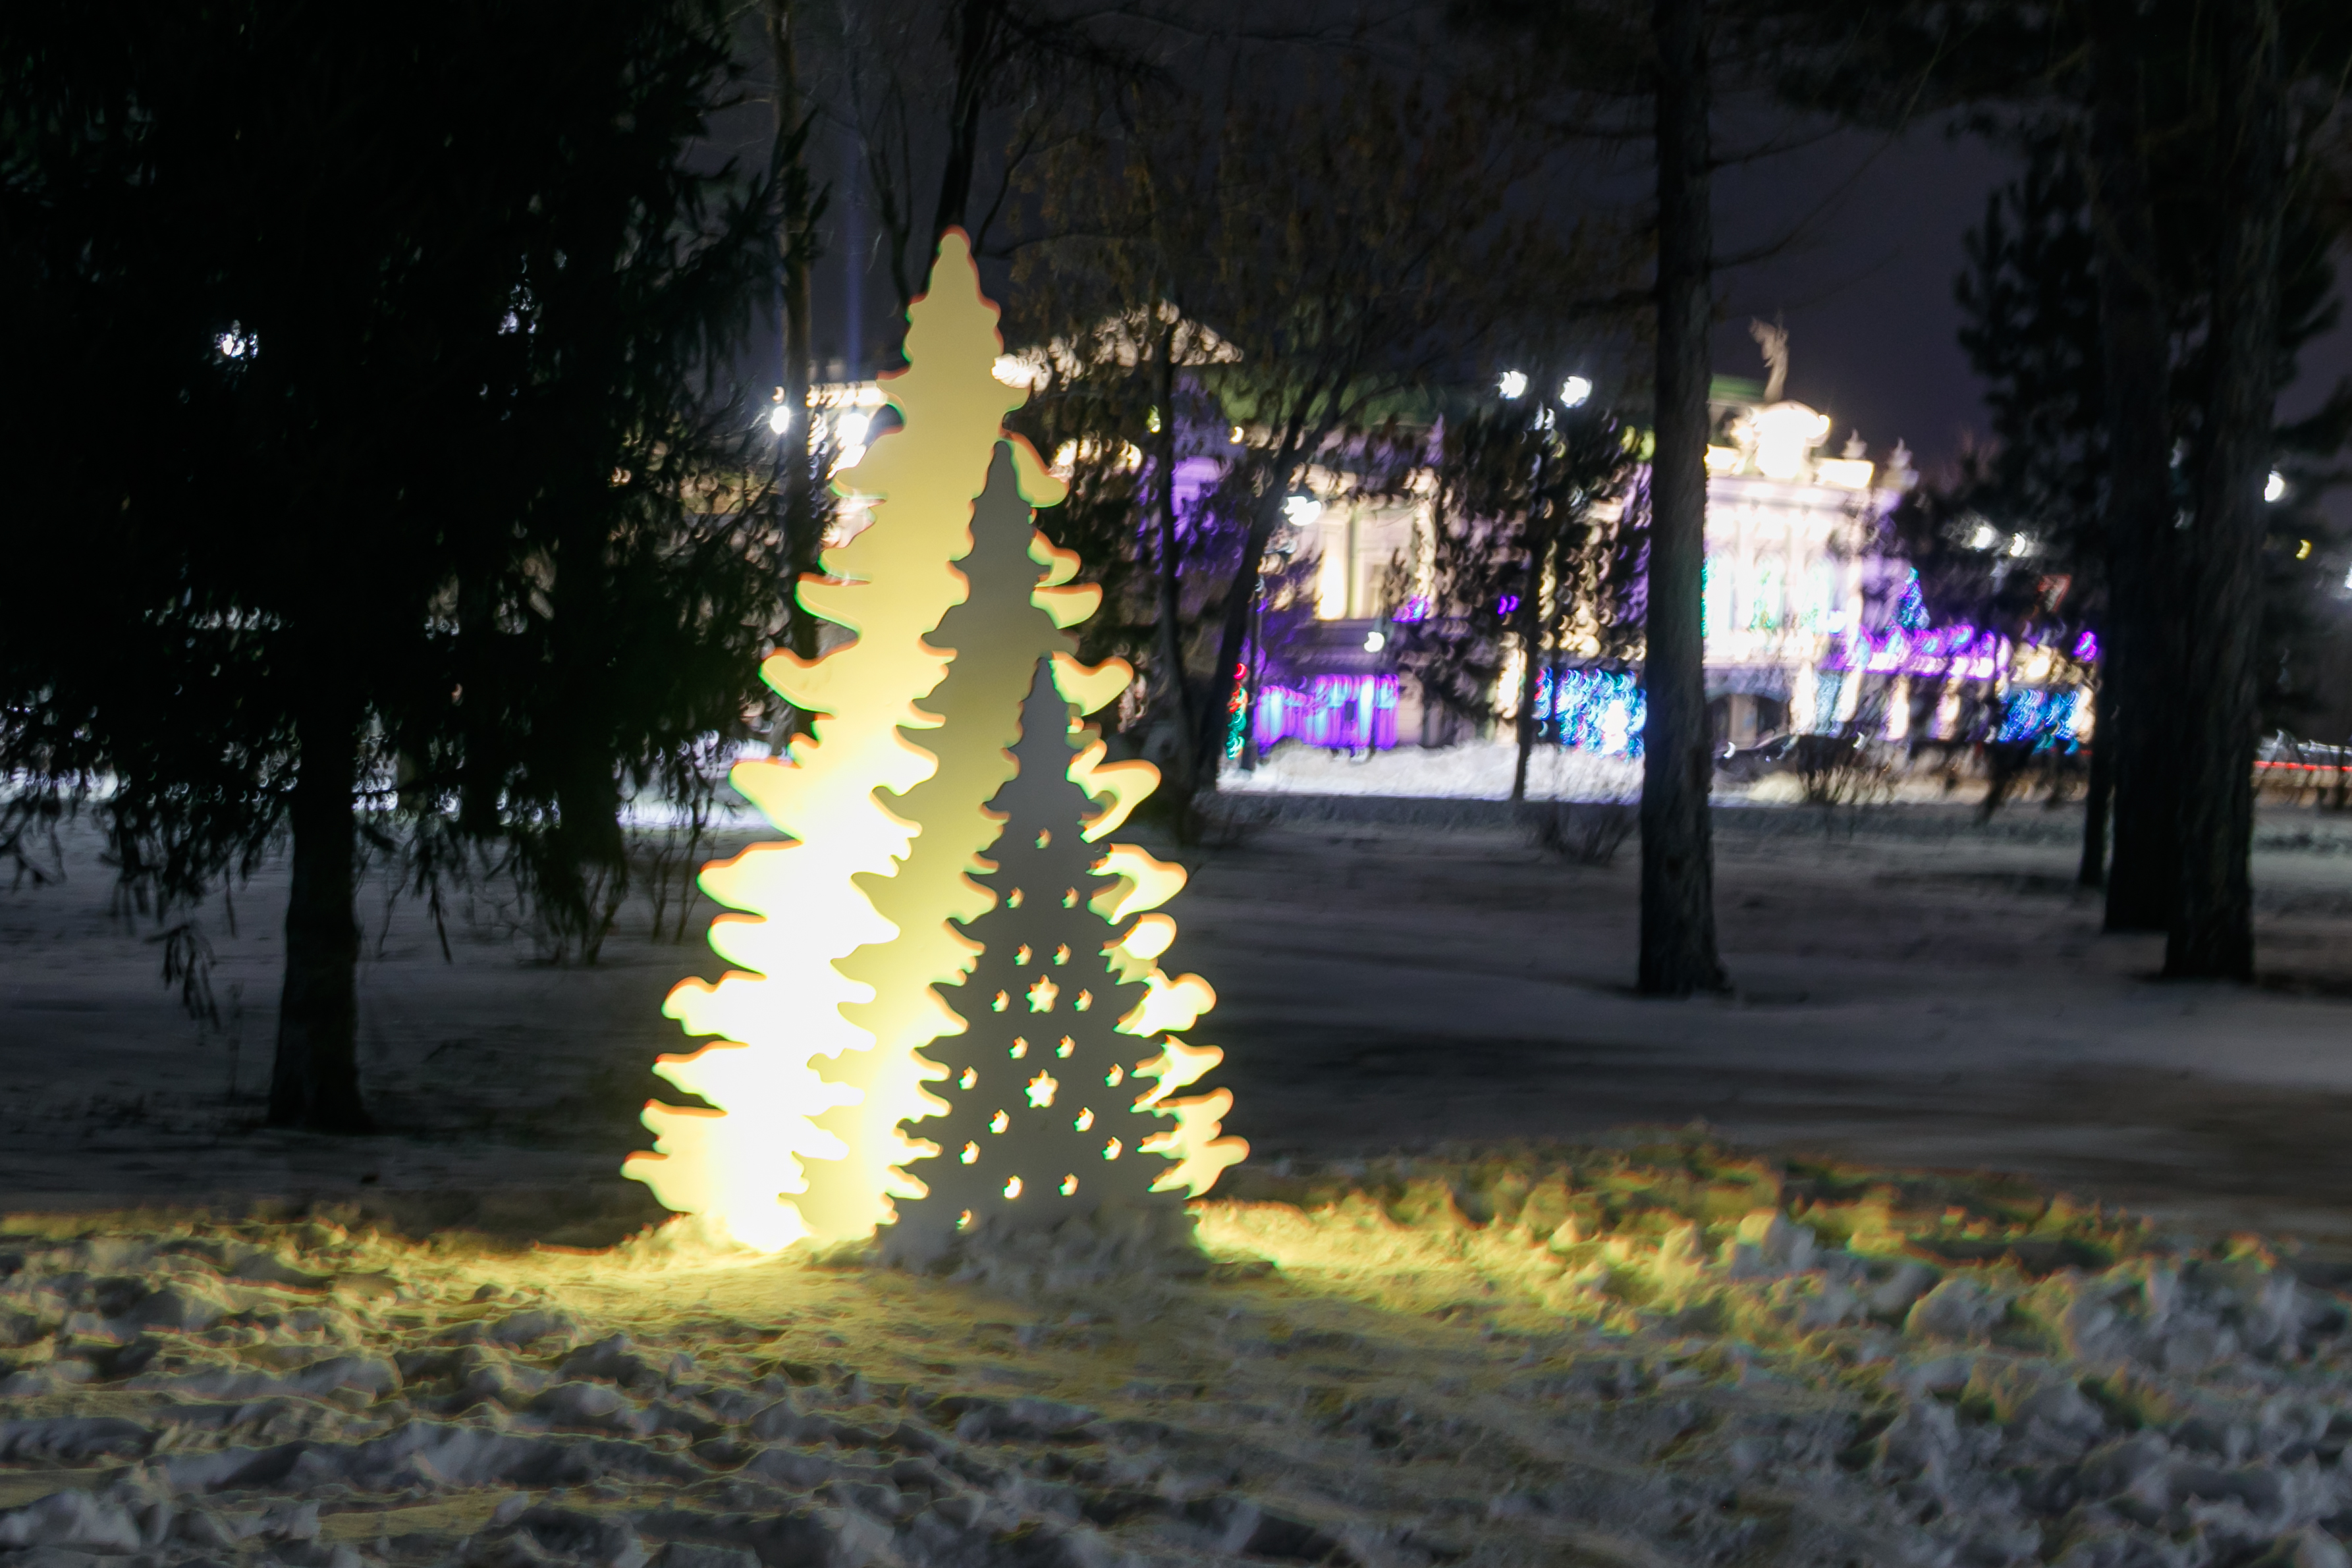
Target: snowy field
x,y
1482,771
1452,1315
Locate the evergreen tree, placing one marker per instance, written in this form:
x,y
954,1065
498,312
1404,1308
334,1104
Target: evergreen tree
x,y
428,528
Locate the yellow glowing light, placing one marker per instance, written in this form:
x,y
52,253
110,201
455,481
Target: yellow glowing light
x,y
1041,1089
1042,994
1115,1077
971,1154
1062,952
1064,1050
999,1121
1110,1150
1021,954
1013,1187
1017,1049
963,1221
1069,1185
1086,1120
841,932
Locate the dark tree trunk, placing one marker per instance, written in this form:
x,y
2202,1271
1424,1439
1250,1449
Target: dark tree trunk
x,y
2098,791
796,247
2212,934
315,1082
975,34
482,771
2142,674
1678,952
1532,642
1169,635
1241,598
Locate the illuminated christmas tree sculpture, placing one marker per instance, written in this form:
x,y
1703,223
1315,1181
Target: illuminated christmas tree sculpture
x,y
1048,1111
817,1109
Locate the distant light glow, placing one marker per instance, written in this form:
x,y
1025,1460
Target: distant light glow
x,y
2274,488
1375,641
1575,391
1302,510
1985,537
1785,433
2086,647
1351,713
2046,718
779,419
1514,384
849,429
1599,711
236,344
1412,610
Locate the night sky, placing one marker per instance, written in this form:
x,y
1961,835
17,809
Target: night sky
x,y
1867,291
1864,283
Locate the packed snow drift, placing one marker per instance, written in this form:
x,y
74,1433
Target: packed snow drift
x,y
1658,1352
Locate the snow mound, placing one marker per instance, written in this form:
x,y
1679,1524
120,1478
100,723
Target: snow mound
x,y
1475,770
1658,1351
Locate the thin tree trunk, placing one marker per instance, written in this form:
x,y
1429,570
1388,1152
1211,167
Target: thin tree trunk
x,y
482,772
2212,934
976,25
2098,791
1240,599
1678,950
1531,640
2142,673
315,1082
797,251
1169,608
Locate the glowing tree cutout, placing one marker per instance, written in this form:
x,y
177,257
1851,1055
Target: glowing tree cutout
x,y
822,1106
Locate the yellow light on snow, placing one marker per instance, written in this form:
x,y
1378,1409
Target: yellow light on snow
x,y
842,938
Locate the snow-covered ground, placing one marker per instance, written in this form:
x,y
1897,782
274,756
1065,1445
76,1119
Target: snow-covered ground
x,y
1527,1339
1482,771
1478,770
1660,1353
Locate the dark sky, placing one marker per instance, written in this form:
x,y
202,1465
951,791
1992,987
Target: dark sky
x,y
1864,283
1866,290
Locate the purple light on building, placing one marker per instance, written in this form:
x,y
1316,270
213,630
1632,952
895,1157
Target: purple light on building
x,y
1337,713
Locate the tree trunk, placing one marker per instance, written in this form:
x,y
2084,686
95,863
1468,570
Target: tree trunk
x,y
315,1082
481,779
1678,952
2098,791
1240,599
2212,934
1531,638
2142,672
1169,635
796,250
974,34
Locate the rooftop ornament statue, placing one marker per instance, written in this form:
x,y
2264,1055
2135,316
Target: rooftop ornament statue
x,y
946,1013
